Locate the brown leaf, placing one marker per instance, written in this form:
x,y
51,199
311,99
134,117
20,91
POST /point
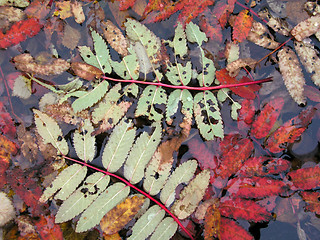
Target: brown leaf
x,y
119,216
292,74
10,14
77,11
234,67
64,9
26,63
71,37
257,36
115,37
306,28
86,71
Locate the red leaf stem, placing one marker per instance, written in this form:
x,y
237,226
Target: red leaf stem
x,y
135,188
191,88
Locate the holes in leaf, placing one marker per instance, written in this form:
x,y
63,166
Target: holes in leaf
x,y
88,56
156,176
59,138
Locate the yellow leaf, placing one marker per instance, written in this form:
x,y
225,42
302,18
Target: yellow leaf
x,y
119,216
64,9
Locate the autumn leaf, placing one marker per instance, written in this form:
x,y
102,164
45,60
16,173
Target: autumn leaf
x,y
263,166
212,223
290,131
47,229
211,26
38,9
232,161
243,91
119,216
242,26
246,114
19,32
222,11
267,118
86,71
305,178
230,230
6,123
313,201
125,4
245,209
255,187
7,147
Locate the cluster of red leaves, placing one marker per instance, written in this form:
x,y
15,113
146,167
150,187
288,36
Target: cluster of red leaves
x,y
245,179
19,32
6,123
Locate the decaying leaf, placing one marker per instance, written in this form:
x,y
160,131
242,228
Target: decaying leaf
x,y
119,216
26,63
276,23
22,87
9,15
86,71
77,11
292,74
115,38
312,200
258,36
71,37
191,195
15,3
234,67
306,28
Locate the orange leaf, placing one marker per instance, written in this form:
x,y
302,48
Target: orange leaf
x,y
313,201
290,131
211,26
7,148
38,9
47,229
267,118
242,26
125,4
119,216
212,223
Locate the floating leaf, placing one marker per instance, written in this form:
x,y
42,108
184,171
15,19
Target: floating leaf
x,y
312,200
147,223
191,195
119,216
86,71
207,115
290,131
81,199
165,230
245,209
115,38
242,26
67,181
231,230
305,178
255,187
306,28
246,114
50,131
84,142
257,36
140,155
147,104
182,174
118,146
102,58
267,118
91,97
292,74
103,204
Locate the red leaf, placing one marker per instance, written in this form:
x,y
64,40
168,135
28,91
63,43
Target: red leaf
x,y
222,11
156,5
230,230
246,114
7,148
6,123
313,201
290,131
125,4
242,26
4,165
245,209
47,229
232,161
267,118
228,142
312,93
243,91
305,178
211,27
38,9
26,188
262,166
19,32
256,187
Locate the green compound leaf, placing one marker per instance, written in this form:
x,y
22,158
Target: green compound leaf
x,y
194,34
138,32
128,68
118,146
206,77
151,96
84,143
147,223
81,199
182,174
177,96
50,132
66,182
91,97
102,58
207,115
179,43
179,74
107,200
191,195
165,230
140,155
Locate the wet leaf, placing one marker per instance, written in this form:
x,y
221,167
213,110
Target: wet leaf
x,y
305,178
47,229
115,38
242,26
119,216
165,230
6,123
312,200
86,71
231,230
306,28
